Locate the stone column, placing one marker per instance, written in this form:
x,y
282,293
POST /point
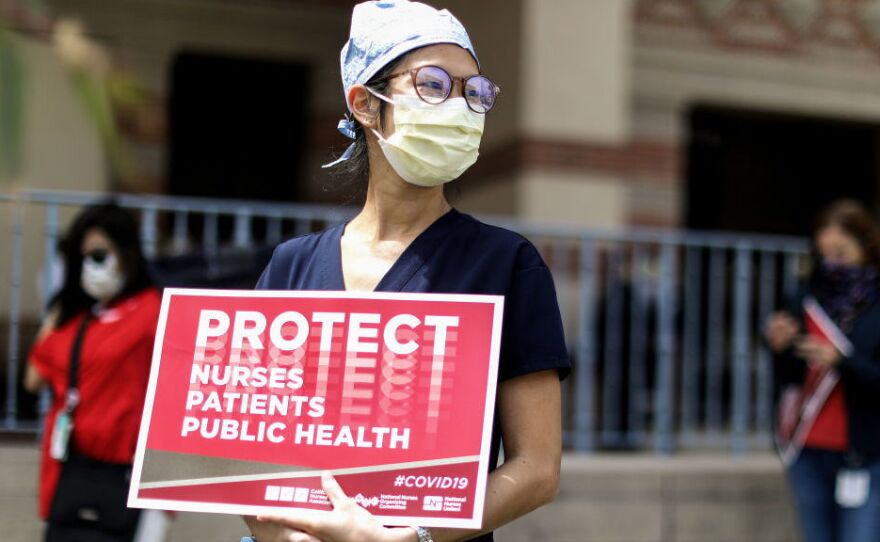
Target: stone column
x,y
560,159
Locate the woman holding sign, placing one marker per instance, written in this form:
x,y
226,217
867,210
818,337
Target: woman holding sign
x,y
827,355
418,103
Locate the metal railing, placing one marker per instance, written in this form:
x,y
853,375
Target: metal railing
x,y
663,325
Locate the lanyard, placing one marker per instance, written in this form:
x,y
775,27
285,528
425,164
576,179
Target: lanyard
x,y
73,375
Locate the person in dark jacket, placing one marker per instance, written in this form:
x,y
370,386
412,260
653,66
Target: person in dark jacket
x,y
835,478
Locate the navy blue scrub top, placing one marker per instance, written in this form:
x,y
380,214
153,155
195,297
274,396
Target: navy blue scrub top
x,y
457,254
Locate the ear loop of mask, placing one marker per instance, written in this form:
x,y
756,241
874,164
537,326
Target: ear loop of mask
x,y
385,99
380,95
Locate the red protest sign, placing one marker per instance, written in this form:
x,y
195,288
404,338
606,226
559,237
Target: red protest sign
x,y
254,393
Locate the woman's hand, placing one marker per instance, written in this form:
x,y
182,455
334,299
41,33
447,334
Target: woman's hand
x,y
781,331
33,381
265,531
818,352
347,522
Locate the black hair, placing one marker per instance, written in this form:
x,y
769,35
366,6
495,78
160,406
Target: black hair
x,y
852,217
121,228
354,173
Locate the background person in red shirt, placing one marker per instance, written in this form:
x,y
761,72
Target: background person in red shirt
x,y
835,478
107,296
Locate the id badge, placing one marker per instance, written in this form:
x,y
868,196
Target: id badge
x,y
853,486
60,437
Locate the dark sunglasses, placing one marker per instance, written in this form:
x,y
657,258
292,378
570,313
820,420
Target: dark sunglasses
x,y
434,85
98,255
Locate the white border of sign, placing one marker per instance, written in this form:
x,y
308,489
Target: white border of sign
x,y
475,522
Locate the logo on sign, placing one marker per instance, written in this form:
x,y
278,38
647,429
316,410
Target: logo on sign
x,y
433,503
366,502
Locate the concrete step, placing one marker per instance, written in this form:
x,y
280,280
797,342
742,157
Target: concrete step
x,y
642,498
603,498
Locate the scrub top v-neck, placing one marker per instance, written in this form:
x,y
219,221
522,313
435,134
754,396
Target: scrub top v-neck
x,y
457,254
409,261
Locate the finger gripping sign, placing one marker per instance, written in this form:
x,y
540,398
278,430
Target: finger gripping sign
x,y
253,394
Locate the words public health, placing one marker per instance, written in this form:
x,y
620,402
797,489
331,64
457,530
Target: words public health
x,y
253,395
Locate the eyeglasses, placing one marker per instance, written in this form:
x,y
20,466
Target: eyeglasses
x,y
434,85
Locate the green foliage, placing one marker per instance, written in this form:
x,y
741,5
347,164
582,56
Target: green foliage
x,y
12,96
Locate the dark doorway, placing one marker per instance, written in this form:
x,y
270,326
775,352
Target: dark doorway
x,y
770,172
237,127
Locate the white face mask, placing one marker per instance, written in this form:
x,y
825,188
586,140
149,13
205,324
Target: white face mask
x,y
101,278
432,144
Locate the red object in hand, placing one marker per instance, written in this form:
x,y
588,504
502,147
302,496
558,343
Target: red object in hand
x,y
830,427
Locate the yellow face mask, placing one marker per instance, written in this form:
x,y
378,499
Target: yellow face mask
x,y
432,144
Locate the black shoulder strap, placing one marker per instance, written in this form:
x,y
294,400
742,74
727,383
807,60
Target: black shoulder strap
x,y
73,374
